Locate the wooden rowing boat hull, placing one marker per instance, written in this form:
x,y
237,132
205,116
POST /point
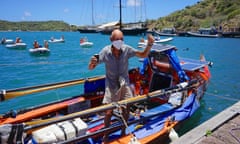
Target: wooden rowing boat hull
x,y
170,86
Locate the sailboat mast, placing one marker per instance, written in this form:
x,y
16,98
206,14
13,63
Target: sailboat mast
x,y
93,23
120,20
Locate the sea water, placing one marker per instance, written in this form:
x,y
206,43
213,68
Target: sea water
x,y
68,61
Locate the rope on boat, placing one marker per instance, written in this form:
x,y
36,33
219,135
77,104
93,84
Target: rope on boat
x,y
119,107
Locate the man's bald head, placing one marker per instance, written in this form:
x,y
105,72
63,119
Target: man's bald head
x,y
116,35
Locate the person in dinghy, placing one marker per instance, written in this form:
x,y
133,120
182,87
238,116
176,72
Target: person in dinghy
x,y
46,44
18,40
115,56
35,44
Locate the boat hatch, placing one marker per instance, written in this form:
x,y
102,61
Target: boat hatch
x,y
160,81
191,64
161,77
79,106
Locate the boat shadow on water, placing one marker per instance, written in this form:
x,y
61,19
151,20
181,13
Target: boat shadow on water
x,y
43,54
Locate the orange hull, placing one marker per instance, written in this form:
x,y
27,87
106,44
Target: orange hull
x,y
126,139
36,113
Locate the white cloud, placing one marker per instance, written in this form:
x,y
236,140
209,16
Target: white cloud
x,y
133,2
27,14
66,10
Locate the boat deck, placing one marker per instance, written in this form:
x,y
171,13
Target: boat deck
x,y
224,128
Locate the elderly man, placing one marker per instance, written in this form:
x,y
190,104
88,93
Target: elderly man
x,y
115,56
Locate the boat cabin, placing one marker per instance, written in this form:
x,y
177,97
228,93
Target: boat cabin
x,y
208,31
167,69
169,30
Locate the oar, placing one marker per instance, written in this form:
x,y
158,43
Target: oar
x,y
9,94
181,87
14,113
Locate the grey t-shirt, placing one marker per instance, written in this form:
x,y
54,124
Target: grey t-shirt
x,y
116,68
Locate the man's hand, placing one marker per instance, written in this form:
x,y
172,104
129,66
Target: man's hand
x,y
150,40
93,62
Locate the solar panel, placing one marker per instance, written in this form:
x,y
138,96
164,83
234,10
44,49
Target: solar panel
x,y
191,64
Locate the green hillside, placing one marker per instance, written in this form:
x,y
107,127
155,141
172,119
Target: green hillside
x,y
36,26
207,13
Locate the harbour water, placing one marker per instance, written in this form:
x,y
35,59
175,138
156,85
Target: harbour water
x,y
68,61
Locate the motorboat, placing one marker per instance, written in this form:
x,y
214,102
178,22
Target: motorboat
x,y
143,43
166,32
54,40
205,32
167,91
158,40
7,41
197,34
39,51
85,43
16,46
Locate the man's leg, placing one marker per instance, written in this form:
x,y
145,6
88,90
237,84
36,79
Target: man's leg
x,y
107,120
125,113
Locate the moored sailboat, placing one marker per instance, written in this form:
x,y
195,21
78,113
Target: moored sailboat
x,y
137,28
89,29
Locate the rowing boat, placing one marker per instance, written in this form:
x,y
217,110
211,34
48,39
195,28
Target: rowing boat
x,y
167,91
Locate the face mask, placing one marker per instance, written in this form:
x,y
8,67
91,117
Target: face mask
x,y
117,44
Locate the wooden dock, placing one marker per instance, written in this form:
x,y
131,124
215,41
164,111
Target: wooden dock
x,y
224,128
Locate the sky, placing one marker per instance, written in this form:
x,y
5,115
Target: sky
x,y
89,12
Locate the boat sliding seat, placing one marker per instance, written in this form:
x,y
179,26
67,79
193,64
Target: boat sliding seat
x,y
79,106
